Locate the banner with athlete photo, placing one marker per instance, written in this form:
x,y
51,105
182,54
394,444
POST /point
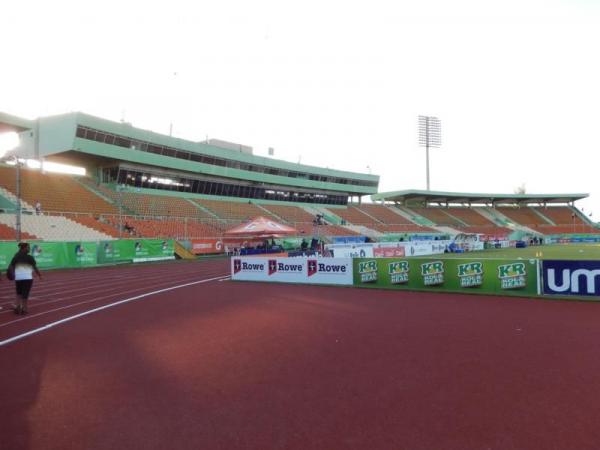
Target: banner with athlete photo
x,y
145,250
62,255
114,252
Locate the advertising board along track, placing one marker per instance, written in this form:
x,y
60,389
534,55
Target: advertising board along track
x,y
311,270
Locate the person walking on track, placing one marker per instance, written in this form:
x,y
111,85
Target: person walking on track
x,y
23,266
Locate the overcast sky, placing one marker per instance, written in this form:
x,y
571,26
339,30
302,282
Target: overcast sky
x,y
335,84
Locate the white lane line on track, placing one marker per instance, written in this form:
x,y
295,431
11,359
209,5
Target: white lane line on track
x,y
62,280
112,296
115,289
46,296
45,287
100,308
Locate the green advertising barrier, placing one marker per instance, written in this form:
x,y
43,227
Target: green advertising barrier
x,y
62,255
149,250
113,252
473,275
50,255
7,251
54,255
81,254
135,250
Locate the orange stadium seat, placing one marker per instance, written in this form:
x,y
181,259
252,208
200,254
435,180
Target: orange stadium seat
x,y
96,224
384,214
162,206
470,216
379,218
524,216
234,211
167,228
290,214
56,193
8,234
353,216
437,215
561,215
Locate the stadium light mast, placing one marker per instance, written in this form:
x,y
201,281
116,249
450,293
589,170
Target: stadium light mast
x,y
430,135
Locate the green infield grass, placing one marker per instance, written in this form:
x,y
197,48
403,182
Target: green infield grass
x,y
555,251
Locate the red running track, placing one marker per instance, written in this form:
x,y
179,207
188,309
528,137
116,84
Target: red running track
x,y
231,365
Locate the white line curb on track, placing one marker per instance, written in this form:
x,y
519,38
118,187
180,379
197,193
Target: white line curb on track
x,y
100,308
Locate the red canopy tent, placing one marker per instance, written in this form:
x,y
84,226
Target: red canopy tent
x,y
261,227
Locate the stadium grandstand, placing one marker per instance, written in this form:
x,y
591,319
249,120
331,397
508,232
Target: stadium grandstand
x,y
493,216
130,182
133,182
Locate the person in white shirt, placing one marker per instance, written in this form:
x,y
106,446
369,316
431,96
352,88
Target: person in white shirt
x,y
23,265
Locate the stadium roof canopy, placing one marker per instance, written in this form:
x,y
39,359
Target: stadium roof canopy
x,y
118,152
9,122
425,197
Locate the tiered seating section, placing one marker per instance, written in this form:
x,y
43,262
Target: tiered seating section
x,y
59,194
561,215
55,192
53,228
233,211
96,224
550,220
161,206
8,233
303,221
524,216
82,209
439,216
166,228
378,218
464,220
291,214
470,217
385,220
566,221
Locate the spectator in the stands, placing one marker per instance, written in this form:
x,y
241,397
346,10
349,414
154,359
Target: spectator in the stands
x,y
38,207
128,228
314,244
303,245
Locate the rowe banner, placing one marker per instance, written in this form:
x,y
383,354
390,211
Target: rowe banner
x,y
452,275
567,278
293,270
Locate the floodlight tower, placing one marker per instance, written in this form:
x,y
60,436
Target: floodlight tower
x,y
430,135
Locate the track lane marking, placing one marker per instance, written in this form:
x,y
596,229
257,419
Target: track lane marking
x,y
92,299
45,287
43,298
101,308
